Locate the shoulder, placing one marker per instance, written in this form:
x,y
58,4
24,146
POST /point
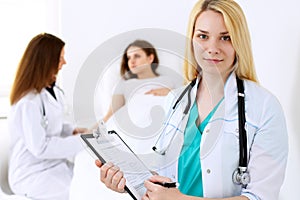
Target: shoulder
x,y
263,106
30,97
28,103
257,93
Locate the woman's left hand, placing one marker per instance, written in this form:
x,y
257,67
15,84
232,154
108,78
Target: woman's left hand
x,y
157,192
159,92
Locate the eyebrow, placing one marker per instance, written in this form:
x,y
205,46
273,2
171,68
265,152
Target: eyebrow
x,y
222,33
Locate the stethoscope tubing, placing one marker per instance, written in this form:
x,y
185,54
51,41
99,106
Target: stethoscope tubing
x,y
242,168
44,121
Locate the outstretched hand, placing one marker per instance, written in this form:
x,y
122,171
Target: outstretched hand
x,y
79,130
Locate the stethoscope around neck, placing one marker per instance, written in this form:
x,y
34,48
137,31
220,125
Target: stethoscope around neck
x,y
240,175
44,120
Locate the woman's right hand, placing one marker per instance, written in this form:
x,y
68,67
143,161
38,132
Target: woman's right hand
x,y
111,176
80,130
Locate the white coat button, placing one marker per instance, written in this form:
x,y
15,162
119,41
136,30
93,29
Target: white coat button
x,y
207,131
237,130
208,171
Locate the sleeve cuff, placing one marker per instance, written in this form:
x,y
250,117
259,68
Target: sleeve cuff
x,y
250,196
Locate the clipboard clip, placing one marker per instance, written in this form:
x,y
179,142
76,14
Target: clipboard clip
x,y
101,130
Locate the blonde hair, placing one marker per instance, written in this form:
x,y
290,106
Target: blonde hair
x,y
236,25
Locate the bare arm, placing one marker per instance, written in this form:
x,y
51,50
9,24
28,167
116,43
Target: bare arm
x,y
118,101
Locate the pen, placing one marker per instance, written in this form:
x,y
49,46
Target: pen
x,y
167,184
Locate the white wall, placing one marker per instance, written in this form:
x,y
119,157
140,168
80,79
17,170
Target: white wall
x,y
20,21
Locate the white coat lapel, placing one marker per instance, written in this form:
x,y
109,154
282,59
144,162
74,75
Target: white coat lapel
x,y
50,99
213,131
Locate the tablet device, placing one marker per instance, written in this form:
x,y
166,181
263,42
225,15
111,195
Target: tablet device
x,y
110,147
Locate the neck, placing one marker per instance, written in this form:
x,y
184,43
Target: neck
x,y
209,93
146,74
215,83
212,86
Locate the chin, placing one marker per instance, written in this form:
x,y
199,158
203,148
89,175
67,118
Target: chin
x,y
135,72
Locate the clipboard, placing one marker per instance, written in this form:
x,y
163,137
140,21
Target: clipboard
x,y
110,147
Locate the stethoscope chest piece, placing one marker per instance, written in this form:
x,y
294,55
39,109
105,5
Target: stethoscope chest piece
x,y
44,122
241,178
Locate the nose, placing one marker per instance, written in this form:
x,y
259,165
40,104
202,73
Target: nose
x,y
131,61
61,63
213,47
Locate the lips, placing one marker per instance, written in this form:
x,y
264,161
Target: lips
x,y
213,60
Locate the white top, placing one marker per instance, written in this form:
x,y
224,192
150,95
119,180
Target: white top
x,y
34,148
138,105
134,85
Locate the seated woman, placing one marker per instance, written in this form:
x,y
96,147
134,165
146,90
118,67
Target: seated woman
x,y
42,142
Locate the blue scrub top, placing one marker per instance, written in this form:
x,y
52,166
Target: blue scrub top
x,y
189,166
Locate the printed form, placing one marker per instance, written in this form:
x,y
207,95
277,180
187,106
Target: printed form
x,y
110,147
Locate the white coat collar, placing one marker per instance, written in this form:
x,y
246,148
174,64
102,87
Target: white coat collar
x,y
46,96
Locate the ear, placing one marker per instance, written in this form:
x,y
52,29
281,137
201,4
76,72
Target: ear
x,y
151,58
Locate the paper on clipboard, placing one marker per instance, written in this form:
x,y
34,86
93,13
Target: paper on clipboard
x,y
109,147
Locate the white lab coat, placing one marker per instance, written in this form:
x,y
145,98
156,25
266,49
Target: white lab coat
x,y
38,164
219,147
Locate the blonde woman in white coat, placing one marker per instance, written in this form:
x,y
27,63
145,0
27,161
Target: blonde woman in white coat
x,y
206,147
41,141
